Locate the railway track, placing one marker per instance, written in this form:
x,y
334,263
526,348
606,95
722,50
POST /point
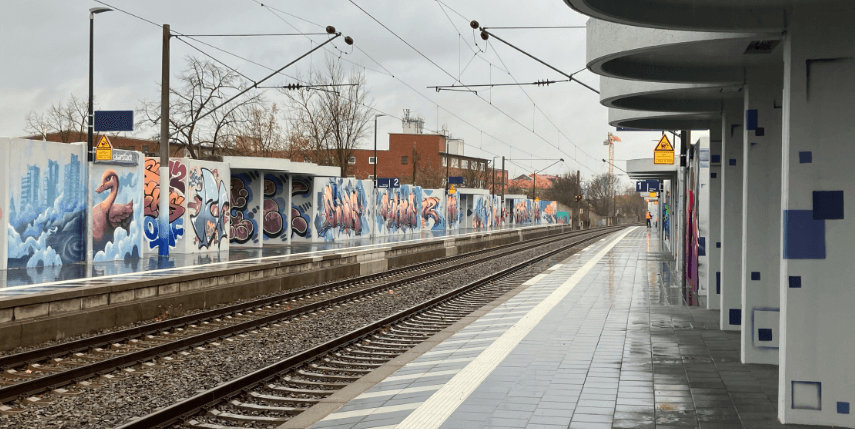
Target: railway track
x,y
274,394
140,349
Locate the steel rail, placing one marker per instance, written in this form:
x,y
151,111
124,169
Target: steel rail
x,y
41,354
192,405
59,379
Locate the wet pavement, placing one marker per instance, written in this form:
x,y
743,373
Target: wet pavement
x,y
619,349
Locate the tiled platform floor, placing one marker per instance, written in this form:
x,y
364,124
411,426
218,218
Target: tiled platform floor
x,y
620,350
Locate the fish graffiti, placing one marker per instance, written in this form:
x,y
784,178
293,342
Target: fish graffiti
x,y
397,210
209,210
46,219
344,209
151,201
301,207
275,219
243,226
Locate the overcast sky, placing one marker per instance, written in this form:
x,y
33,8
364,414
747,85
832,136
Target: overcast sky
x,y
45,53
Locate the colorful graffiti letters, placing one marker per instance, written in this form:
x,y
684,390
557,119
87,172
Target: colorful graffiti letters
x,y
210,207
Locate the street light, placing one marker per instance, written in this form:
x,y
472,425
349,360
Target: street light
x,y
375,147
92,12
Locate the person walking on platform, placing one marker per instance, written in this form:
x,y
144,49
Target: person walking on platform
x,y
648,219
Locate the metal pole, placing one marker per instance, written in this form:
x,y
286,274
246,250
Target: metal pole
x,y
375,151
493,187
163,204
534,186
504,180
447,163
578,192
90,124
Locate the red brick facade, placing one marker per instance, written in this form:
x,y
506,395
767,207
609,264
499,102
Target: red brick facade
x,y
419,153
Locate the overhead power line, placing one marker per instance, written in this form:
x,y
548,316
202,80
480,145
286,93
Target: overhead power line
x,y
453,77
544,82
255,35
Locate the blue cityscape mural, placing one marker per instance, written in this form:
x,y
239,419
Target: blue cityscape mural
x,y
47,206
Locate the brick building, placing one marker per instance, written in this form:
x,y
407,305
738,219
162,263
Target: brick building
x,y
420,158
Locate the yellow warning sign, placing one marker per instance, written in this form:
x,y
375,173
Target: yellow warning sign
x,y
664,152
104,150
653,195
452,190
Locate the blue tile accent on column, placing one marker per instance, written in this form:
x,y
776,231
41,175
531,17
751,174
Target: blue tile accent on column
x,y
751,119
702,246
764,334
716,159
718,244
713,175
827,205
735,316
755,275
795,282
732,161
804,237
718,282
805,157
842,408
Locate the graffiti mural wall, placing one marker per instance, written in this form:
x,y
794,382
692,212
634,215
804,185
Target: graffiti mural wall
x,y
208,206
548,212
5,181
398,211
245,208
45,213
151,203
276,207
433,210
301,208
481,215
116,211
523,214
343,209
454,214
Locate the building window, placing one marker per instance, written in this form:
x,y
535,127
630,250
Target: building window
x,y
474,165
351,160
482,166
464,164
372,160
145,149
444,161
454,162
403,160
370,177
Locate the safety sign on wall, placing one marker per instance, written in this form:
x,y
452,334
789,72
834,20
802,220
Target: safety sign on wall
x,y
664,152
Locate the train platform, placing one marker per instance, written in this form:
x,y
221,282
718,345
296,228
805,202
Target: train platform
x,y
22,281
601,340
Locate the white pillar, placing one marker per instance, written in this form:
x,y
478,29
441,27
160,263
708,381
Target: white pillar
x,y
816,378
714,240
761,220
703,198
731,218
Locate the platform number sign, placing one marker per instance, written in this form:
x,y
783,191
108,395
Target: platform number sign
x,y
388,182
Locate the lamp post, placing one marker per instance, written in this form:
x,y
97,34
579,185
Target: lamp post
x,y
90,123
375,147
493,187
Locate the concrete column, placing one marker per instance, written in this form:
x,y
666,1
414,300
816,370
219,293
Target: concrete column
x,y
714,240
731,218
703,198
817,380
761,220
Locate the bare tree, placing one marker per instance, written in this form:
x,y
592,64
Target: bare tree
x,y
68,120
630,204
600,193
427,174
202,86
333,117
473,175
564,189
259,133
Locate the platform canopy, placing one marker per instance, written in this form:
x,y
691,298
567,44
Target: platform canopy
x,y
280,164
644,169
